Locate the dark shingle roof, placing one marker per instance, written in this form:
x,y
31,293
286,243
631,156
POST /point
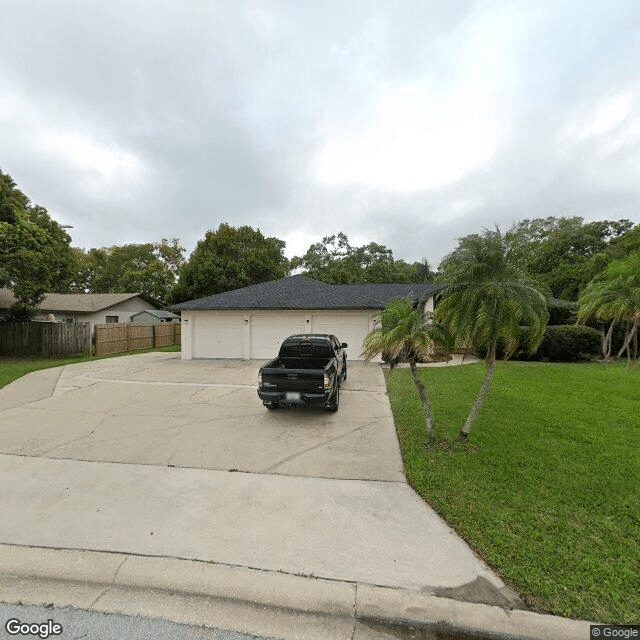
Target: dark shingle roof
x,y
300,292
158,313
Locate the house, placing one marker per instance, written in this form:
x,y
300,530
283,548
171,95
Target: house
x,y
154,316
250,323
95,308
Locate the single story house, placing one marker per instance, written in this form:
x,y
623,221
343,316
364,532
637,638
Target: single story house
x,y
95,308
154,316
251,323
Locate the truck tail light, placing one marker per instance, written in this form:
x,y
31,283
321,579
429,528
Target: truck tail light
x,y
327,381
260,378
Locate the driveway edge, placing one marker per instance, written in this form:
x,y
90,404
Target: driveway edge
x,y
253,601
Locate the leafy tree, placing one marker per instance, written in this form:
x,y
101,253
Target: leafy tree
x,y
624,244
151,268
403,332
488,296
424,272
614,296
35,253
562,252
335,261
230,258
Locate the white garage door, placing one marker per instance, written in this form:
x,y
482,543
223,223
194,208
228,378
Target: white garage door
x,y
351,329
268,332
217,336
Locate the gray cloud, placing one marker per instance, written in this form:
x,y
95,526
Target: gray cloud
x,y
133,121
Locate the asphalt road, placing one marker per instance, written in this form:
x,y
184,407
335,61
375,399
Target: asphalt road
x,y
92,625
78,624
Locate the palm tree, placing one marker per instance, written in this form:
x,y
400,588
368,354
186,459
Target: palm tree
x,y
489,295
614,295
404,332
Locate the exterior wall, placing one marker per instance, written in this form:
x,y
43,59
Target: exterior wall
x,y
258,334
429,307
188,326
124,311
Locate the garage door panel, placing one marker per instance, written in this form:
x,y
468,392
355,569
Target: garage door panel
x,y
351,329
218,337
268,332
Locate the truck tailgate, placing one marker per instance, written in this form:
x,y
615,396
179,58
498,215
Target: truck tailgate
x,y
311,380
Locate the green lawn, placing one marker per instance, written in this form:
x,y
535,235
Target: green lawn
x,y
13,368
547,490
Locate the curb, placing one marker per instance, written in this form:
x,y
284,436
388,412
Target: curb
x,y
253,601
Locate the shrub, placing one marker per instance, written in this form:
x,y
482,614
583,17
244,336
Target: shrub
x,y
561,343
562,312
569,342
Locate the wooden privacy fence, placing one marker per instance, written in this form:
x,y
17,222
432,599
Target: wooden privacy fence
x,y
117,337
44,338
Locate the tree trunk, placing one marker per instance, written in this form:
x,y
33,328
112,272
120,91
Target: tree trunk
x,y
631,329
482,394
606,342
426,407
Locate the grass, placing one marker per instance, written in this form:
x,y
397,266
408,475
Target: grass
x,y
547,488
13,368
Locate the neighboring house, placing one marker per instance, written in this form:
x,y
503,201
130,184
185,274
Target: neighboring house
x,y
154,316
95,308
252,322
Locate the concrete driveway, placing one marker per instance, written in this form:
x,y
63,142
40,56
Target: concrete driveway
x,y
163,411
152,456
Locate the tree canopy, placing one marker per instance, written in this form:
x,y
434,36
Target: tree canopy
x,y
151,268
565,253
335,261
35,252
230,258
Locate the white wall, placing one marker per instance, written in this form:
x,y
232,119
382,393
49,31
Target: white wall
x,y
124,310
258,334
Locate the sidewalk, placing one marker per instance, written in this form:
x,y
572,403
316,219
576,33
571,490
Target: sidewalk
x,y
456,359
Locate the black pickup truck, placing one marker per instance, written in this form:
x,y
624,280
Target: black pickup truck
x,y
308,370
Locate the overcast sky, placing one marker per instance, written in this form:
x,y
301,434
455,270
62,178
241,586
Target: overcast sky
x,y
404,122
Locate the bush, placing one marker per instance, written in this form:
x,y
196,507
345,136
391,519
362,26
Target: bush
x,y
561,343
562,312
569,342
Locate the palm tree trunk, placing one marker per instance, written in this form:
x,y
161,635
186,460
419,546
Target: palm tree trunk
x,y
627,339
426,407
606,342
482,394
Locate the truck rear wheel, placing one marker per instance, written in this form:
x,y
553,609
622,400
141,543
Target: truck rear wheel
x,y
334,403
271,405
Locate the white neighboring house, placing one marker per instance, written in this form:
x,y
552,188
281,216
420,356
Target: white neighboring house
x,y
252,322
95,308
